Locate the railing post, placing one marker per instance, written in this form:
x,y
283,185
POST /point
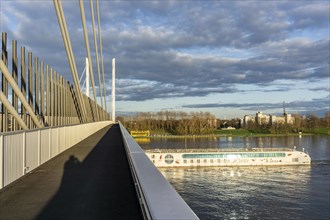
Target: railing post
x,y
39,147
67,135
58,140
49,146
24,152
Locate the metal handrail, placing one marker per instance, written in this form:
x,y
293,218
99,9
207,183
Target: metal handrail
x,y
158,199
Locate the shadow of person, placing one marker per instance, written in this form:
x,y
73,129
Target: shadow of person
x,y
72,163
60,207
99,187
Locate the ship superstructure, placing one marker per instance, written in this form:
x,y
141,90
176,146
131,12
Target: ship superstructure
x,y
227,157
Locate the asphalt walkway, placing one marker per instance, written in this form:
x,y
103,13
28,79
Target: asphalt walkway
x,y
91,180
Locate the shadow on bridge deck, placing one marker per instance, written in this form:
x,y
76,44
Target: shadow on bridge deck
x,y
91,180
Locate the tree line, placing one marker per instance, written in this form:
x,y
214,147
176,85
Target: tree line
x,y
172,122
196,123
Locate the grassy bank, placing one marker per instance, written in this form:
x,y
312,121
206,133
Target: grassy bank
x,y
325,131
244,132
239,133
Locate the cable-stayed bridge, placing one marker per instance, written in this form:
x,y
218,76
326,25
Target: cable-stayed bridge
x,y
61,154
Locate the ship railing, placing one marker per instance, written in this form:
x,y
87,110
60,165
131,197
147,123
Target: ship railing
x,y
158,199
207,150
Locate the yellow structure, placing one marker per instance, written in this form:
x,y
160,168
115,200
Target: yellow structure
x,y
145,133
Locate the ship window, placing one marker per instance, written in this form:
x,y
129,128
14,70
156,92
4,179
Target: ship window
x,y
294,159
153,161
232,155
201,156
198,161
169,159
152,156
184,161
191,161
205,160
211,161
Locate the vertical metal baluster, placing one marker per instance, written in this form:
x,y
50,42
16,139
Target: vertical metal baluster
x,y
23,83
60,104
42,92
52,91
47,96
36,86
4,56
30,89
62,101
14,123
55,98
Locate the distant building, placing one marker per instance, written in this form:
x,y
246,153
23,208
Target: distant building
x,y
277,120
285,119
247,119
288,118
263,119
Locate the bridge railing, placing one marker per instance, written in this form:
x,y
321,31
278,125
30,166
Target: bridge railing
x,y
34,95
23,151
158,199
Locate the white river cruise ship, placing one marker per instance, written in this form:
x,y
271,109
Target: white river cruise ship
x,y
227,157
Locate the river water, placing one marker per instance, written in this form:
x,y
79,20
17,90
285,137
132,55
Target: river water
x,y
287,192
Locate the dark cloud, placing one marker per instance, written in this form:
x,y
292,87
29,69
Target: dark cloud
x,y
321,88
141,90
315,105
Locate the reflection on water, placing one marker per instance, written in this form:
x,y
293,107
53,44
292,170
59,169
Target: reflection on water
x,y
286,192
251,192
142,140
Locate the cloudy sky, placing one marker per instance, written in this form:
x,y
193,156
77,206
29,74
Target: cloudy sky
x,y
229,58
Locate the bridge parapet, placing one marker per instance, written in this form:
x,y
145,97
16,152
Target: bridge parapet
x,y
158,199
23,151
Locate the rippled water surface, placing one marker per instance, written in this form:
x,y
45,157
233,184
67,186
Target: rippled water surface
x,y
287,192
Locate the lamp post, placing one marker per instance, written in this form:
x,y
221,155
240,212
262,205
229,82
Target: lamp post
x,y
113,90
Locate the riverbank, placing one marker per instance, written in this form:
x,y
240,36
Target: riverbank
x,y
237,133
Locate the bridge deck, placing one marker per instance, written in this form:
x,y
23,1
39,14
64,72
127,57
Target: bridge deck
x,y
91,180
